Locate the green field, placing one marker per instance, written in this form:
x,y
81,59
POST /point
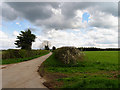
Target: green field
x,y
98,70
15,56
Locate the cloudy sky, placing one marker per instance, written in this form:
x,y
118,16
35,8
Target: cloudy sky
x,y
80,24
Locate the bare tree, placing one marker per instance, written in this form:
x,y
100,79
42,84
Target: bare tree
x,y
45,44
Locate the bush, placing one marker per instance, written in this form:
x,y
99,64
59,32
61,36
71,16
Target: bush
x,y
69,55
10,54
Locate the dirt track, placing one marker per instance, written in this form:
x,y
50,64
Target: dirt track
x,y
24,74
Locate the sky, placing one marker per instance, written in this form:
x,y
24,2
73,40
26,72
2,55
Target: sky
x,y
79,24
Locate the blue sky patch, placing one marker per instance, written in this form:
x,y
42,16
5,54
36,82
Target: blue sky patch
x,y
85,17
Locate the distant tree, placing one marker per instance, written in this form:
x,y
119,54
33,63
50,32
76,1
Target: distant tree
x,y
45,44
47,47
53,48
25,40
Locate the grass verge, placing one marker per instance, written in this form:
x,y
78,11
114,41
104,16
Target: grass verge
x,y
99,70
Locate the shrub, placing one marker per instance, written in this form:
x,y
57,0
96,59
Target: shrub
x,y
69,55
21,53
10,54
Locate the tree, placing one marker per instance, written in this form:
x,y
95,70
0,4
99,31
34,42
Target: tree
x,y
25,40
53,48
47,47
45,44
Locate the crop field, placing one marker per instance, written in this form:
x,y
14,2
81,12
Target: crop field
x,y
99,69
103,56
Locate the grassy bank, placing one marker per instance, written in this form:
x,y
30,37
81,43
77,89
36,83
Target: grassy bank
x,y
15,56
98,70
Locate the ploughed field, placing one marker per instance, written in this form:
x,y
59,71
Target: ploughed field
x,y
99,69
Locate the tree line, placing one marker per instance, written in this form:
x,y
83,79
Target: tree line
x,y
97,49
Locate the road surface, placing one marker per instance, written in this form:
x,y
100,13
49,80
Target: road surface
x,y
24,74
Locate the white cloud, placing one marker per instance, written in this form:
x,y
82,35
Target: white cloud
x,y
102,19
3,35
38,42
6,41
15,33
0,14
98,37
56,11
107,45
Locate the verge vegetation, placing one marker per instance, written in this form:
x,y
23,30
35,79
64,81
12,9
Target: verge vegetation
x,y
18,55
98,69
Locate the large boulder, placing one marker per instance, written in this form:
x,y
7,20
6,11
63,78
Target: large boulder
x,y
69,55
